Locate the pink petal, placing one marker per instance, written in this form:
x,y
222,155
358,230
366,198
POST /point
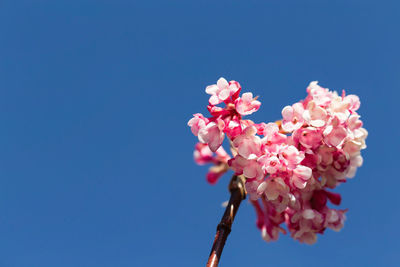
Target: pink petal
x,y
303,172
222,83
212,89
287,113
223,94
214,100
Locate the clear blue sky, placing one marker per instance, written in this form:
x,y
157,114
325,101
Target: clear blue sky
x,y
95,156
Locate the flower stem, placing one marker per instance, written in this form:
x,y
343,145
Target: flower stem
x,y
238,193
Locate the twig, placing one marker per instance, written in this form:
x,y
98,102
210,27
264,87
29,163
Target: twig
x,y
238,193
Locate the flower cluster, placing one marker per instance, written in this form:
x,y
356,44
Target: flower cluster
x,y
289,165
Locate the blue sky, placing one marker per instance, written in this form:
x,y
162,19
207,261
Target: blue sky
x,y
95,156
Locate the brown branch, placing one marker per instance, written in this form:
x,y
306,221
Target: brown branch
x,y
238,193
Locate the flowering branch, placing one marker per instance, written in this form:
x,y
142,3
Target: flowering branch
x,y
289,168
238,193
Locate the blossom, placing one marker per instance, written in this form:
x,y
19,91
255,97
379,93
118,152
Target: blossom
x,y
212,134
335,135
301,174
292,117
250,168
315,115
291,156
268,220
290,166
246,104
309,137
335,219
197,123
221,91
270,164
277,192
354,102
321,96
202,154
248,143
272,137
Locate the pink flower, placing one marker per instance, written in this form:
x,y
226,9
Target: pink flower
x,y
277,192
335,219
354,122
250,168
212,134
290,164
197,123
321,96
247,104
272,137
253,170
267,129
270,164
247,143
340,161
356,142
237,164
325,157
221,91
234,127
292,117
268,220
315,115
340,108
335,136
202,154
354,102
290,156
309,137
355,162
305,224
301,174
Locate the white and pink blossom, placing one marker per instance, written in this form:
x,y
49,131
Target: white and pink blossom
x,y
197,123
221,91
248,143
212,134
246,104
291,165
292,117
